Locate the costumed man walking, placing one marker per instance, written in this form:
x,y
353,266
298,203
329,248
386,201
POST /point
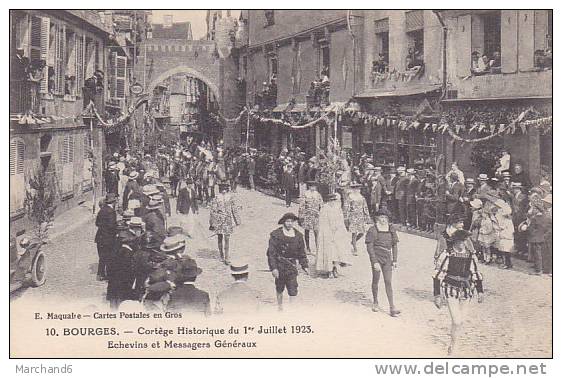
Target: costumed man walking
x,y
381,241
288,183
286,247
309,212
187,205
224,216
356,214
106,221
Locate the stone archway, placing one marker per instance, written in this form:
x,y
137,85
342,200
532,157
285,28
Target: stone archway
x,y
188,71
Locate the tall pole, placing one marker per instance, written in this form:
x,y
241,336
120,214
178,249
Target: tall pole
x,y
92,181
247,126
336,127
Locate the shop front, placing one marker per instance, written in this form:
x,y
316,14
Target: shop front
x,y
400,130
479,130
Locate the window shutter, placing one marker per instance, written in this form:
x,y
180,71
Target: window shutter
x,y
17,156
45,42
70,62
17,180
381,26
464,45
541,29
79,64
526,38
414,20
120,77
13,154
60,36
35,39
113,74
89,59
509,41
71,148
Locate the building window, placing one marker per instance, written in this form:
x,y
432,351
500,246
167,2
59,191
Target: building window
x,y
380,60
269,18
325,60
415,57
17,180
543,40
486,43
272,66
118,68
70,64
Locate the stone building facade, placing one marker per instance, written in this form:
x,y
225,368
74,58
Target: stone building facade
x,y
52,53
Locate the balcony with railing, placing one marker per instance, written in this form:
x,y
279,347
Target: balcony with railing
x,y
532,83
24,96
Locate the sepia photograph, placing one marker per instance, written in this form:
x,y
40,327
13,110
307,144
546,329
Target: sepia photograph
x,y
313,183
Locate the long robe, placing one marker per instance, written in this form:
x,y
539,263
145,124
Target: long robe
x,y
333,245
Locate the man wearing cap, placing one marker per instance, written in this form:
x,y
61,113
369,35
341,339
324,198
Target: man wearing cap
x,y
286,247
400,194
186,297
106,221
239,297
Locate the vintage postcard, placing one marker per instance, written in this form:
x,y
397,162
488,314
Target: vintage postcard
x,y
281,183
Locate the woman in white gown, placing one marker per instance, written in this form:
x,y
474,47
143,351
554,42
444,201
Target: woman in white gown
x,y
332,237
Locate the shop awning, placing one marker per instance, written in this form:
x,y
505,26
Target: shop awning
x,y
406,91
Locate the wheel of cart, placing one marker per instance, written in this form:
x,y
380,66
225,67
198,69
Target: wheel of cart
x,y
39,269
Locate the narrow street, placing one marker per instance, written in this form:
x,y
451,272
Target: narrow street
x,y
515,319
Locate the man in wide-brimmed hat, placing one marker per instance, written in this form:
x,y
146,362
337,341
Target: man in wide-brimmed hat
x,y
132,189
120,267
186,297
154,219
106,221
112,178
239,297
286,247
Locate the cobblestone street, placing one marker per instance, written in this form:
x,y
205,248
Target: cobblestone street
x,y
514,320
